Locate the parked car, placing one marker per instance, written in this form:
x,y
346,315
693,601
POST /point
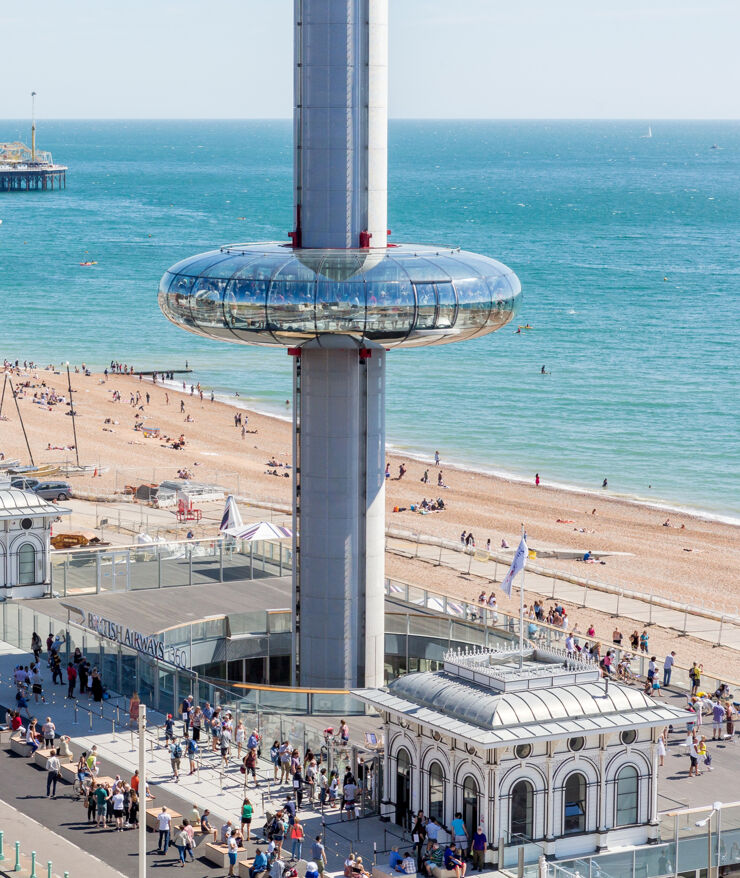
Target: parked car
x,y
53,490
24,484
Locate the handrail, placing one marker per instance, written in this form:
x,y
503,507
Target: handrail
x,y
287,689
560,632
666,603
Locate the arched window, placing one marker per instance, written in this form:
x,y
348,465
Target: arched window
x,y
470,804
574,804
626,796
403,787
26,564
436,806
521,819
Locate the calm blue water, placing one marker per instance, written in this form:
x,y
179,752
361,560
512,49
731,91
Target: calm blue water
x,y
628,250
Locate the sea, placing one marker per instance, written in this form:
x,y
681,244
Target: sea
x,y
627,248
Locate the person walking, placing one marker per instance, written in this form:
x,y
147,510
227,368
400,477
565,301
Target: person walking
x,y
96,687
181,843
192,748
318,854
247,812
101,801
250,766
37,685
118,809
233,850
53,772
71,680
175,757
667,668
479,849
164,824
296,836
36,646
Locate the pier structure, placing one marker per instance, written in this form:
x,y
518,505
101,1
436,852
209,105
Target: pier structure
x,y
21,170
338,296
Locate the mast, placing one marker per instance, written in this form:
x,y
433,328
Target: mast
x,y
72,411
33,126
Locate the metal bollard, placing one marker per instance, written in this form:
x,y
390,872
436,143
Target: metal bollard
x,y
89,713
151,750
132,741
33,865
17,867
118,714
74,721
113,731
101,708
2,851
48,869
66,875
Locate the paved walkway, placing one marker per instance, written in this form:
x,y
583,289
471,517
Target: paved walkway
x,y
39,835
220,791
641,611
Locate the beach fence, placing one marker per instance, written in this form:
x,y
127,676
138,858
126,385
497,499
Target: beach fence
x,y
719,626
15,862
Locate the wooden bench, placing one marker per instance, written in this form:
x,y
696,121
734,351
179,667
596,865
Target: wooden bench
x,y
243,867
41,755
153,813
218,855
18,745
69,771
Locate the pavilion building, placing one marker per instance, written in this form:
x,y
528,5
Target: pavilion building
x,y
532,745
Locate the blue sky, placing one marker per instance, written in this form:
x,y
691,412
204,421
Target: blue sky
x,y
645,59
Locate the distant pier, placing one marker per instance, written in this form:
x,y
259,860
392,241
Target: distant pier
x,y
28,178
26,169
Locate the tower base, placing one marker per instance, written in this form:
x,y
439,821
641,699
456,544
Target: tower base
x,y
339,515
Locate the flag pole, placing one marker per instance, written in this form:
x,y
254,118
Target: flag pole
x,y
521,615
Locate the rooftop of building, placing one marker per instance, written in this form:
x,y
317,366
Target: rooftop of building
x,y
498,697
15,503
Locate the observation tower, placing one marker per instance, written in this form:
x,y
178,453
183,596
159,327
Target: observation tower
x,y
338,296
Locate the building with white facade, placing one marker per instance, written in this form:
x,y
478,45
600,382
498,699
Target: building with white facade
x,y
25,535
534,746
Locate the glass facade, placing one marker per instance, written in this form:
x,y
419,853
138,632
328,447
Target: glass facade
x,y
407,295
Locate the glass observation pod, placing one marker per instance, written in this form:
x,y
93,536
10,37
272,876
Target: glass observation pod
x,y
272,294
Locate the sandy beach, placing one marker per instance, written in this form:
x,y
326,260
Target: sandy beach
x,y
695,560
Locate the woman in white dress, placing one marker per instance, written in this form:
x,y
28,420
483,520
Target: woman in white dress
x,y
662,746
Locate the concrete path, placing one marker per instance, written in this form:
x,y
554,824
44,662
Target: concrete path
x,y
48,844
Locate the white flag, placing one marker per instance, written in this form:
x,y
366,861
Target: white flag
x,y
517,565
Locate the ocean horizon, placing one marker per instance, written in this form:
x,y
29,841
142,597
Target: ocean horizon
x,y
627,247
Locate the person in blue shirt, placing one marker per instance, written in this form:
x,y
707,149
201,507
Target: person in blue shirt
x,y
459,832
453,862
259,866
395,859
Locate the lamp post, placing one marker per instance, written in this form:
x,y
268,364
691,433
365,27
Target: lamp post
x,y
142,791
712,871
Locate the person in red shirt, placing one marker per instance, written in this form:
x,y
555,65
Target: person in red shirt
x,y
71,680
135,781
